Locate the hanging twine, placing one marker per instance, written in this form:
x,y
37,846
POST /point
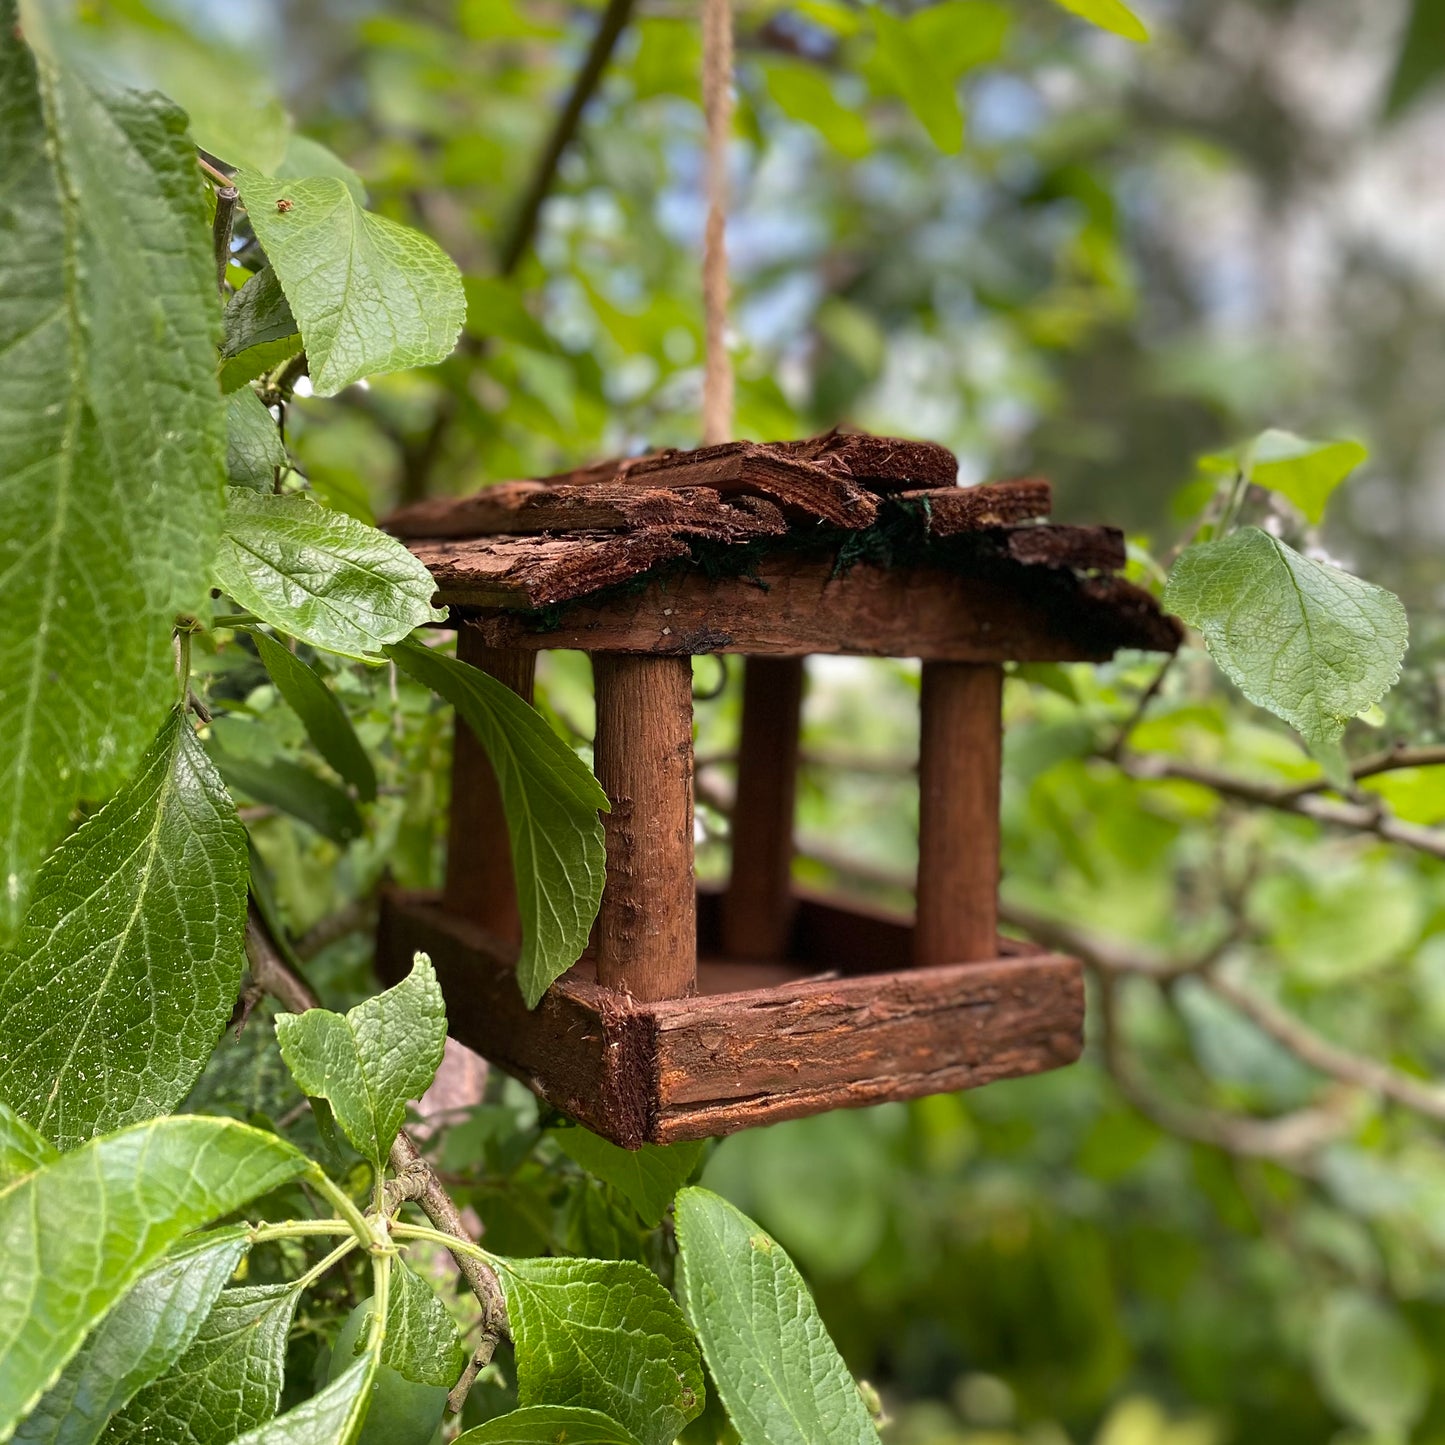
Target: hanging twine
x,y
717,100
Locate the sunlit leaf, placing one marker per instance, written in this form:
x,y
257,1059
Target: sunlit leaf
x,y
912,74
1305,472
370,296
112,437
1109,15
547,1424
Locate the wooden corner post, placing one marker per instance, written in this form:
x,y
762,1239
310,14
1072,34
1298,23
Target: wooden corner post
x,y
480,885
757,915
960,754
647,926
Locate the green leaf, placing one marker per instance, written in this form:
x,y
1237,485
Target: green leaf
x,y
551,801
930,94
22,1150
547,1424
322,715
253,442
321,576
229,1379
140,1338
1421,62
1303,471
1369,1365
1109,15
306,157
606,1335
293,790
367,1063
774,1367
958,35
1307,641
258,331
647,1177
805,93
130,957
422,1343
371,296
77,1234
112,437
331,1417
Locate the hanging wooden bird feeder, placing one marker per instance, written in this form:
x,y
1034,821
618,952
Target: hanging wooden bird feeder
x,y
697,1014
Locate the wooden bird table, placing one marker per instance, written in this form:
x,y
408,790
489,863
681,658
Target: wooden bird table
x,y
695,1014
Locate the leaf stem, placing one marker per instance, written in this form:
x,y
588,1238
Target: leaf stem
x,y
321,1266
437,1236
358,1222
299,1228
234,619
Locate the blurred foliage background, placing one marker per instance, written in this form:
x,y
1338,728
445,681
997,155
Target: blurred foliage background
x,y
1060,254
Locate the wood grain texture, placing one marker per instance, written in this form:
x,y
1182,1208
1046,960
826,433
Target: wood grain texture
x,y
531,507
953,511
792,607
758,908
693,1068
960,753
647,927
480,884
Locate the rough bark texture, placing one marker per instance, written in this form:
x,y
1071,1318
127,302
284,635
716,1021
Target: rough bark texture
x,y
959,755
647,927
693,1068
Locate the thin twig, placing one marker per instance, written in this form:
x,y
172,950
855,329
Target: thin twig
x,y
1391,760
226,197
564,129
1115,750
1371,817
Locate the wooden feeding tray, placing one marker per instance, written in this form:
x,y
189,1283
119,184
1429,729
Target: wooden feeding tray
x,y
692,1014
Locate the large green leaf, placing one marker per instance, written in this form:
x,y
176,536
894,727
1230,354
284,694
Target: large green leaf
x,y
1370,1366
774,1367
546,1425
370,296
131,954
307,157
322,715
1311,643
331,1417
320,575
1109,15
603,1334
253,442
112,437
912,74
229,1379
22,1150
140,1338
258,330
367,1063
78,1233
1306,472
647,1177
552,803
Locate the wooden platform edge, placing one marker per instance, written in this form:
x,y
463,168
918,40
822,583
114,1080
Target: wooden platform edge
x,y
710,1065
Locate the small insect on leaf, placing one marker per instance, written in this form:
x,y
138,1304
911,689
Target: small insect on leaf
x,y
284,205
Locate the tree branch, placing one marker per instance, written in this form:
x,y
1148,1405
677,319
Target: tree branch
x,y
1372,817
584,86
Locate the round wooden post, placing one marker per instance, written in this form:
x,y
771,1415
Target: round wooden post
x,y
757,915
960,753
647,926
480,885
